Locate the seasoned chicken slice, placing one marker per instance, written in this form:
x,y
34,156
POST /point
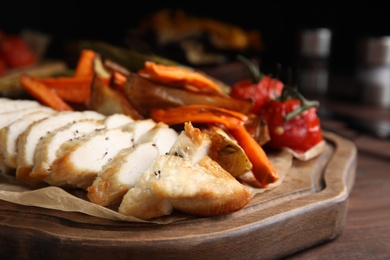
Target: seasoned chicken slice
x,y
139,127
29,139
122,172
45,151
117,120
186,181
8,105
11,116
10,134
191,144
172,182
79,161
205,189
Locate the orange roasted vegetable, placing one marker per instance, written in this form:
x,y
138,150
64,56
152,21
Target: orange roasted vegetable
x,y
146,95
199,114
180,77
77,88
263,169
71,89
107,100
117,81
84,67
43,93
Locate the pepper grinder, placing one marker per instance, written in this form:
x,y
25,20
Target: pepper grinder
x,y
373,72
313,62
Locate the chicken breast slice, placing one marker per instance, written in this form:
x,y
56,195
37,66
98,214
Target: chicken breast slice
x,y
172,182
117,120
10,134
45,151
120,174
187,181
8,105
29,139
191,144
79,161
139,127
11,116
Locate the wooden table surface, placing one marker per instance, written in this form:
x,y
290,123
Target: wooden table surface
x,y
367,231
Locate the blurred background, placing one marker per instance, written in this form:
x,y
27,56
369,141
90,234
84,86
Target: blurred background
x,y
280,24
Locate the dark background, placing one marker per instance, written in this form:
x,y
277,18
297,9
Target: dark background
x,y
278,21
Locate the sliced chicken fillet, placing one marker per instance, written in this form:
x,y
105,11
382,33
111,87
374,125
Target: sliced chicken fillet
x,y
9,117
191,144
172,182
79,161
29,139
117,120
10,134
45,151
7,105
123,171
139,127
185,180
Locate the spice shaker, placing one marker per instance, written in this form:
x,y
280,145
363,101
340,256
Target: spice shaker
x,y
373,72
313,61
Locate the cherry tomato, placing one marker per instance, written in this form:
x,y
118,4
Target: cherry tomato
x,y
3,66
300,133
16,52
260,92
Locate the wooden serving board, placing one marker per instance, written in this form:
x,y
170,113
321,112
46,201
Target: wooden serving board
x,y
308,208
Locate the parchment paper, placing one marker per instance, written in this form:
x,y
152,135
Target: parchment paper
x,y
57,198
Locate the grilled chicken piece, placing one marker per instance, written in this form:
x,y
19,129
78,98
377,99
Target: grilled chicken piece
x,y
7,105
9,117
79,161
10,134
186,180
45,151
29,139
191,144
10,111
122,172
117,120
139,127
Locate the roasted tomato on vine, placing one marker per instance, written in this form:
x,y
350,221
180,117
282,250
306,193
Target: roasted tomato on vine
x,y
3,66
292,121
260,88
15,52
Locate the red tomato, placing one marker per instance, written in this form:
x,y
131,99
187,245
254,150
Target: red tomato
x,y
300,133
3,66
265,89
16,52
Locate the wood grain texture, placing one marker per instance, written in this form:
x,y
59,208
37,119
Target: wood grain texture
x,y
308,208
366,234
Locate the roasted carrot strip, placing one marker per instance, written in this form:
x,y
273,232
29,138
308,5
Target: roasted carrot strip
x,y
84,67
263,169
117,81
179,76
200,114
43,93
71,89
